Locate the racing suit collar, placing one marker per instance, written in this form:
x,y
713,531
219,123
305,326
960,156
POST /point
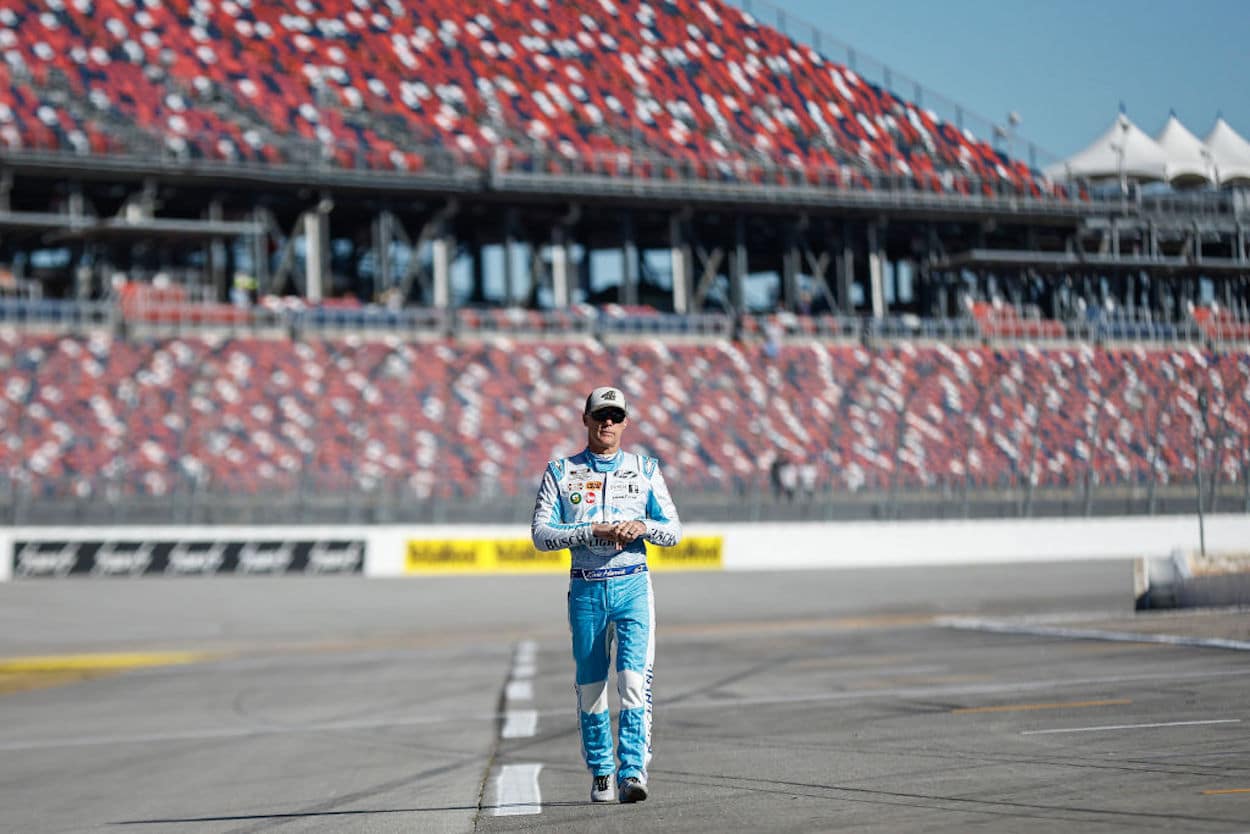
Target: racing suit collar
x,y
601,463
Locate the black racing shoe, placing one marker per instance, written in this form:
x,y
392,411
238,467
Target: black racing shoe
x,y
601,789
633,789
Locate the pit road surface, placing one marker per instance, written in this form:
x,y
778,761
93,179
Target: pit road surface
x,y
786,701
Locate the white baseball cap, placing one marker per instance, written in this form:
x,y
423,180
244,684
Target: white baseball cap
x,y
606,397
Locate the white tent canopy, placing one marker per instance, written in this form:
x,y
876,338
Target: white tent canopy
x,y
1125,150
1189,163
1230,153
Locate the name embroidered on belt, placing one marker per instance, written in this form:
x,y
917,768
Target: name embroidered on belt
x,y
607,573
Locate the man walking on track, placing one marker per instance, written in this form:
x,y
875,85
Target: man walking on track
x,y
604,504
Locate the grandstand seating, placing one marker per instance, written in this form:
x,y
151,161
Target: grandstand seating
x,y
1219,324
996,319
362,85
140,302
93,415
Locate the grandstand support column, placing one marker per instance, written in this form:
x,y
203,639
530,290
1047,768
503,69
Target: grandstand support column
x,y
78,214
540,274
845,269
583,271
6,189
317,249
383,233
217,255
939,290
442,248
509,269
876,268
738,266
630,267
790,262
559,267
561,232
260,250
1240,255
939,285
682,260
478,266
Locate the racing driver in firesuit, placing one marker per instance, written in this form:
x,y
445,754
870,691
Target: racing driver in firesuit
x,y
604,504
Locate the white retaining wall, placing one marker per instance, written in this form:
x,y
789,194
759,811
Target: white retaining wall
x,y
760,546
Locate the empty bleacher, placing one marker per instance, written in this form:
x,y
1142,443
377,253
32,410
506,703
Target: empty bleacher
x,y
996,319
525,84
96,416
1220,324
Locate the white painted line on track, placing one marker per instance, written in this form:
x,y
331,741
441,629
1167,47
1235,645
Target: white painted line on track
x,y
516,788
520,723
520,686
519,691
1129,726
517,792
1039,630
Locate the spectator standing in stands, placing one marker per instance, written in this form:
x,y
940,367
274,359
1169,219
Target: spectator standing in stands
x,y
604,504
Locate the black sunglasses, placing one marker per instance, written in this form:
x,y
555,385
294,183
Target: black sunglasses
x,y
616,415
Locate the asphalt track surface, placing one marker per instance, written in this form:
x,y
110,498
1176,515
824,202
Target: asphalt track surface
x,y
788,701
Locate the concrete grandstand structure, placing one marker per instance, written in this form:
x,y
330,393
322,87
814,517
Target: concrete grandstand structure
x,y
601,171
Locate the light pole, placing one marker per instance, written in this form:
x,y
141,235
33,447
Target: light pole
x,y
1199,436
1213,167
1118,148
1013,124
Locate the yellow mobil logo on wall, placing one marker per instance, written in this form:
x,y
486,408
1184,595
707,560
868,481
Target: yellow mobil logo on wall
x,y
694,553
429,556
483,556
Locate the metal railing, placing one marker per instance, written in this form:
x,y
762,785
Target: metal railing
x,y
511,166
299,320
54,314
1201,205
182,501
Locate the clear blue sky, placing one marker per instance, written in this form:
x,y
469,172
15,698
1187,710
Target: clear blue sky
x,y
1063,65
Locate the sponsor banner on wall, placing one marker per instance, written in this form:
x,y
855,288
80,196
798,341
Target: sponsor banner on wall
x,y
482,556
434,556
201,557
692,553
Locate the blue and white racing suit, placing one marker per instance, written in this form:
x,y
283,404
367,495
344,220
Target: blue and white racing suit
x,y
610,592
